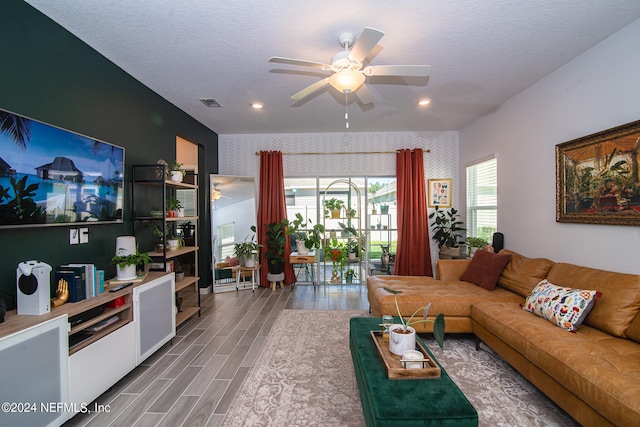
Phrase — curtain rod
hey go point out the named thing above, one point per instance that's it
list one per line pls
(339, 152)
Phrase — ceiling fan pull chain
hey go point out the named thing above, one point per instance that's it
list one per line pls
(346, 110)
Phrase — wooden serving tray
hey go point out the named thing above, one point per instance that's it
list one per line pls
(393, 366)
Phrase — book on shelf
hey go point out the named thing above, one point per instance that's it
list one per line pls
(74, 278)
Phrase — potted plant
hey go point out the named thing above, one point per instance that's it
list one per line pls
(305, 239)
(174, 207)
(177, 173)
(447, 228)
(353, 248)
(275, 243)
(402, 337)
(333, 207)
(159, 247)
(349, 275)
(250, 249)
(351, 213)
(337, 252)
(475, 243)
(126, 264)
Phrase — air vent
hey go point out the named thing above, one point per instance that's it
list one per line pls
(210, 102)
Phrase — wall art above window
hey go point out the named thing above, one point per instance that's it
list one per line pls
(50, 176)
(597, 177)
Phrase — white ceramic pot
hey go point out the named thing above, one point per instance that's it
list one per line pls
(399, 343)
(180, 212)
(352, 256)
(302, 248)
(127, 272)
(250, 261)
(413, 355)
(172, 244)
(176, 176)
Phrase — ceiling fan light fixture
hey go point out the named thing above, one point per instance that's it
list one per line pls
(347, 81)
(215, 194)
(424, 102)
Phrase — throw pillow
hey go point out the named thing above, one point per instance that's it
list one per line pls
(485, 268)
(233, 262)
(564, 307)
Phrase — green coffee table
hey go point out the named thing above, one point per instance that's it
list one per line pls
(406, 402)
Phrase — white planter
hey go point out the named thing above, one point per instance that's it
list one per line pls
(176, 176)
(127, 272)
(172, 244)
(352, 256)
(250, 261)
(399, 343)
(180, 212)
(302, 248)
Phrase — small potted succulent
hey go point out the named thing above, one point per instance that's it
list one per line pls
(402, 337)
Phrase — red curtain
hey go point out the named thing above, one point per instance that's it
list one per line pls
(413, 254)
(271, 208)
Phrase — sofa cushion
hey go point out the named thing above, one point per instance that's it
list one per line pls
(522, 274)
(633, 331)
(564, 307)
(604, 371)
(485, 268)
(620, 300)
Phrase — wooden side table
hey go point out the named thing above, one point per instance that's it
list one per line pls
(255, 273)
(310, 258)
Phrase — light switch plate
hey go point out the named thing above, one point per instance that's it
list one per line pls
(74, 239)
(84, 235)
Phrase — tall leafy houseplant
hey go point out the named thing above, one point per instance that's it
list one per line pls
(447, 227)
(309, 238)
(275, 243)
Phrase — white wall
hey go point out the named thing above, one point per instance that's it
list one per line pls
(237, 155)
(598, 90)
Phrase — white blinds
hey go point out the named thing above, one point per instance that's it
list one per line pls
(482, 199)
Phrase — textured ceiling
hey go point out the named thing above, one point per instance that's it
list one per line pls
(481, 52)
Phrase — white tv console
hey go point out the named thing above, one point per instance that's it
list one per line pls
(50, 381)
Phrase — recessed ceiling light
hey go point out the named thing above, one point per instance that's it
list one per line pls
(424, 102)
(210, 102)
(257, 105)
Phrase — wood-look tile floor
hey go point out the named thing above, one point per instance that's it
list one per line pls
(193, 380)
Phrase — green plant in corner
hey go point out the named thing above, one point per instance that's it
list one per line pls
(477, 242)
(447, 227)
(438, 322)
(276, 240)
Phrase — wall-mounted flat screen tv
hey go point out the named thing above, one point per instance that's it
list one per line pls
(51, 176)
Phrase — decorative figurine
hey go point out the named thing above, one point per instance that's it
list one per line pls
(62, 294)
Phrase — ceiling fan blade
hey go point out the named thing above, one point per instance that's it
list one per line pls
(310, 89)
(364, 95)
(367, 41)
(398, 70)
(301, 62)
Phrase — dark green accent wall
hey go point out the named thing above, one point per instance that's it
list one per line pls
(48, 74)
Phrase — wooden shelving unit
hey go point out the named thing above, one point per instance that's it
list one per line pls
(151, 189)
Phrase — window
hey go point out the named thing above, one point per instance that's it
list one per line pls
(226, 239)
(482, 199)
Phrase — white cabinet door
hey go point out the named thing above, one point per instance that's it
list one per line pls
(154, 315)
(34, 375)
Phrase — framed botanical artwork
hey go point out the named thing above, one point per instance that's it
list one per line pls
(51, 176)
(439, 193)
(597, 177)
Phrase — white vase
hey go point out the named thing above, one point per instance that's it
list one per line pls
(302, 247)
(172, 244)
(399, 343)
(180, 212)
(127, 272)
(176, 176)
(352, 256)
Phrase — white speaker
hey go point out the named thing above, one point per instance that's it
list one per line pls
(33, 281)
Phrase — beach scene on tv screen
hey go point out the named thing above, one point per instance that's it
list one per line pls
(50, 175)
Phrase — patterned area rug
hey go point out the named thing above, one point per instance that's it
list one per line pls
(304, 376)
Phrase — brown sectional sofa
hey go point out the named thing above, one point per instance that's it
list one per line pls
(593, 374)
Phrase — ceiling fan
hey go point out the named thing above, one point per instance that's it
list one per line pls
(216, 193)
(348, 76)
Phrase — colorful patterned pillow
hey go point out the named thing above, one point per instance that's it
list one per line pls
(564, 307)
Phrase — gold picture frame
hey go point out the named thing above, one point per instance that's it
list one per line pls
(439, 193)
(597, 177)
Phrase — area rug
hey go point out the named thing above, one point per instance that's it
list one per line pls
(304, 376)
